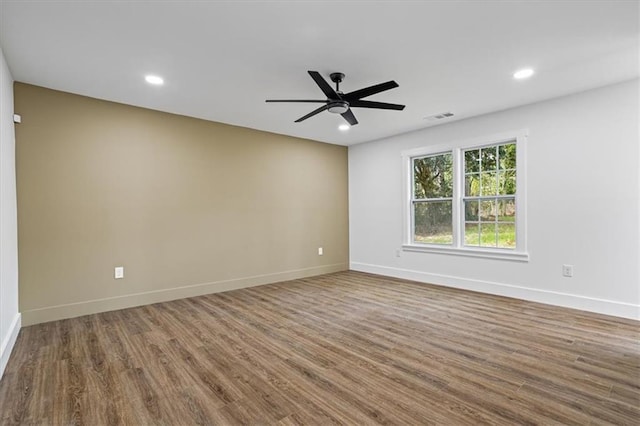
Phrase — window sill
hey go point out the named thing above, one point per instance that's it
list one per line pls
(469, 252)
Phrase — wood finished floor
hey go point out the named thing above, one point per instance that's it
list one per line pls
(344, 348)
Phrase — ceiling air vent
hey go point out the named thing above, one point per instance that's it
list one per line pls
(440, 116)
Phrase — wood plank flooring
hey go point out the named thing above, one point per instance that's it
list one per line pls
(343, 348)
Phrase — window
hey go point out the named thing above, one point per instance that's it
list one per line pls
(490, 196)
(467, 198)
(433, 199)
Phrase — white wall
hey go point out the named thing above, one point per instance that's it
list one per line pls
(583, 204)
(9, 316)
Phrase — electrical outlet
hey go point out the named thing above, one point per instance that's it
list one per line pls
(567, 271)
(320, 251)
(398, 253)
(119, 272)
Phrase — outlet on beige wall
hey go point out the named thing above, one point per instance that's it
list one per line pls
(190, 206)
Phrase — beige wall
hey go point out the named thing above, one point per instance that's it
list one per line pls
(187, 206)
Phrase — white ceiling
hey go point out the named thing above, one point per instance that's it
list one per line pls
(222, 59)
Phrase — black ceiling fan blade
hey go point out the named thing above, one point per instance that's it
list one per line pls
(371, 90)
(351, 119)
(324, 86)
(376, 105)
(298, 100)
(312, 113)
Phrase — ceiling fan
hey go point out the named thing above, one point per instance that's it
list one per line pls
(341, 103)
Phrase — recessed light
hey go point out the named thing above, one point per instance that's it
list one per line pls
(154, 79)
(344, 127)
(523, 73)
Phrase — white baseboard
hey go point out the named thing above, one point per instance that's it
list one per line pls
(72, 310)
(601, 306)
(8, 342)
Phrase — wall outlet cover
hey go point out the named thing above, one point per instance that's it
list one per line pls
(567, 271)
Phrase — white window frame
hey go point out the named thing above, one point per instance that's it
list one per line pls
(412, 201)
(519, 253)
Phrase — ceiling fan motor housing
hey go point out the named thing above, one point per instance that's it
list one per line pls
(338, 107)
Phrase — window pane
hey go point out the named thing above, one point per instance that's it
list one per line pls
(507, 235)
(488, 234)
(507, 155)
(472, 185)
(433, 176)
(507, 182)
(488, 184)
(433, 222)
(471, 210)
(472, 161)
(488, 210)
(507, 210)
(488, 157)
(471, 234)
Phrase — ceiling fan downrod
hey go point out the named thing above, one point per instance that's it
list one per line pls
(337, 78)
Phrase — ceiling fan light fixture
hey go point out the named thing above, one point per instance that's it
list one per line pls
(338, 107)
(344, 127)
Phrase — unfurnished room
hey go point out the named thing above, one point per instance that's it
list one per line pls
(319, 212)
